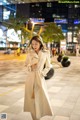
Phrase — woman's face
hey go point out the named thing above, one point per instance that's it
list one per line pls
(35, 45)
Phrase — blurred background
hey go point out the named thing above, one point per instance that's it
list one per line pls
(58, 20)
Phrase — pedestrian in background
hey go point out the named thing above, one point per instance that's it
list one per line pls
(36, 98)
(77, 50)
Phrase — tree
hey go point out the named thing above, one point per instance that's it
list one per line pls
(52, 33)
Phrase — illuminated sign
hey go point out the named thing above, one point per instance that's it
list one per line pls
(12, 36)
(76, 21)
(9, 10)
(37, 20)
(6, 15)
(60, 21)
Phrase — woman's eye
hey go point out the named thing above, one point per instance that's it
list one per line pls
(34, 44)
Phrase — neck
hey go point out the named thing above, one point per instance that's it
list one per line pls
(37, 51)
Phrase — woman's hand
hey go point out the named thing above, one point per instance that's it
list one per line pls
(34, 66)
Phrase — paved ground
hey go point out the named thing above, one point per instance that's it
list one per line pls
(63, 89)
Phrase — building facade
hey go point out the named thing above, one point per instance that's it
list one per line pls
(8, 37)
(66, 15)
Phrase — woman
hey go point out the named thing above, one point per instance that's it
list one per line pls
(36, 99)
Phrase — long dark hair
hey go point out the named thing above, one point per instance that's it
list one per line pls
(37, 39)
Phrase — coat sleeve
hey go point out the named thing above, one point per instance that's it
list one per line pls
(47, 64)
(27, 63)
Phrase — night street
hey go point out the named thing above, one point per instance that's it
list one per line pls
(63, 89)
(28, 29)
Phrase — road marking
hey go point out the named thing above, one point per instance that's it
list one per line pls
(5, 93)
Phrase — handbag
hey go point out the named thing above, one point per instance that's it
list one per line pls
(49, 74)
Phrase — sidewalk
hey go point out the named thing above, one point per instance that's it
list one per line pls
(63, 89)
(12, 57)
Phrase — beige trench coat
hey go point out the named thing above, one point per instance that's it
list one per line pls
(36, 99)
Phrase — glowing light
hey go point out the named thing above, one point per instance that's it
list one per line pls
(1, 33)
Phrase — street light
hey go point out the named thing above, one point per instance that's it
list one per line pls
(33, 24)
(30, 25)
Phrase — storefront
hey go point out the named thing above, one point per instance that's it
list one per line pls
(9, 39)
